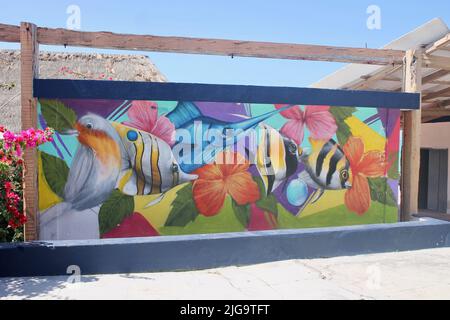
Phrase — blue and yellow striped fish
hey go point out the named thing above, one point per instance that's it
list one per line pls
(152, 166)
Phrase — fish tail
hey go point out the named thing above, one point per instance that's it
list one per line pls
(184, 113)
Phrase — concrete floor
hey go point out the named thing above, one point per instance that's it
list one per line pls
(407, 275)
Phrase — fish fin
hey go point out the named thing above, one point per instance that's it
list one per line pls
(268, 181)
(155, 201)
(317, 195)
(308, 180)
(275, 184)
(253, 122)
(313, 198)
(184, 113)
(316, 144)
(307, 202)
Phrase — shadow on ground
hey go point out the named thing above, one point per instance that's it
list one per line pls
(36, 287)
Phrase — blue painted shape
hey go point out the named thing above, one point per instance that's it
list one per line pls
(297, 192)
(192, 252)
(95, 89)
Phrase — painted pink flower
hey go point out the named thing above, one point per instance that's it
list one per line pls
(143, 115)
(317, 119)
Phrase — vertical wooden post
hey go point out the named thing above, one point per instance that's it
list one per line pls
(29, 70)
(412, 120)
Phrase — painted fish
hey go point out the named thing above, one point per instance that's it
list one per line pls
(152, 168)
(326, 168)
(277, 158)
(206, 137)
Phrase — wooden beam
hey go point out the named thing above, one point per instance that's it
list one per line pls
(29, 56)
(441, 82)
(108, 40)
(437, 94)
(9, 33)
(412, 82)
(436, 112)
(370, 79)
(439, 45)
(436, 62)
(434, 76)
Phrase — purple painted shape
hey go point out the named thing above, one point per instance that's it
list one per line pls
(372, 118)
(280, 192)
(43, 124)
(393, 184)
(58, 136)
(228, 112)
(388, 118)
(101, 107)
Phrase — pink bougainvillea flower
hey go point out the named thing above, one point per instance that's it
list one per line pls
(317, 119)
(216, 181)
(143, 115)
(363, 165)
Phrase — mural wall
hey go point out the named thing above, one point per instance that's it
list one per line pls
(148, 168)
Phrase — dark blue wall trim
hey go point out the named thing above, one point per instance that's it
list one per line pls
(217, 250)
(89, 89)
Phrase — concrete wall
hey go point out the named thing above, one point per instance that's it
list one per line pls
(437, 136)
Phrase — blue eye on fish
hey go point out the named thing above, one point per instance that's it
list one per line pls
(132, 135)
(188, 117)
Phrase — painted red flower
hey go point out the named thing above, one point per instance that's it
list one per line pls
(371, 164)
(227, 176)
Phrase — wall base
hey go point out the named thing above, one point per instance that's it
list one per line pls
(176, 253)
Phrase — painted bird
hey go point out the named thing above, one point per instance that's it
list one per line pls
(96, 166)
(326, 168)
(93, 175)
(106, 154)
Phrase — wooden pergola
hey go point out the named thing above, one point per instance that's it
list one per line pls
(409, 63)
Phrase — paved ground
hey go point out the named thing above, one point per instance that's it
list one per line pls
(408, 275)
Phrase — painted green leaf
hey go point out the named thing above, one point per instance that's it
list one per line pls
(381, 191)
(57, 115)
(268, 203)
(183, 208)
(340, 114)
(114, 210)
(242, 213)
(56, 172)
(393, 172)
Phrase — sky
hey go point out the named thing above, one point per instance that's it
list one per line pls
(324, 22)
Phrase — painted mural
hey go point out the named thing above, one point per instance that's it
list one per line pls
(147, 168)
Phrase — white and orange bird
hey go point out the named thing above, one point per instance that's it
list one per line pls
(109, 156)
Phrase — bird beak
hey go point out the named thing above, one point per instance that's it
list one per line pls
(70, 132)
(347, 185)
